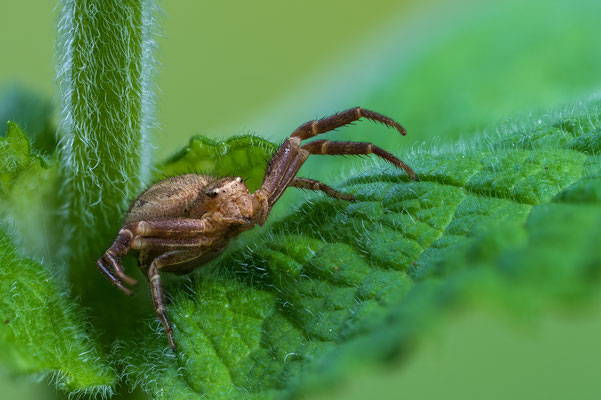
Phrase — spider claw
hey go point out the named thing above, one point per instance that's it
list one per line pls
(171, 341)
(126, 290)
(100, 264)
(128, 279)
(401, 130)
(118, 269)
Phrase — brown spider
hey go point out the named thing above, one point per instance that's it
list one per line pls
(181, 223)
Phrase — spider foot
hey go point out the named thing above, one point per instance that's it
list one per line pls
(103, 267)
(171, 340)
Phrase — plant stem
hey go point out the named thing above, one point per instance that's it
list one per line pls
(105, 64)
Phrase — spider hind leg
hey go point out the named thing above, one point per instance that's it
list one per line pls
(156, 288)
(312, 184)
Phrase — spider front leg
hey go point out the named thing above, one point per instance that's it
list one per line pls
(327, 124)
(290, 156)
(327, 147)
(111, 257)
(130, 234)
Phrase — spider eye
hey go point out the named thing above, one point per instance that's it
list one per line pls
(239, 180)
(212, 193)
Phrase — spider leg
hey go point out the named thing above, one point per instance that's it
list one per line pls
(281, 162)
(280, 171)
(174, 227)
(156, 289)
(311, 184)
(160, 228)
(355, 148)
(117, 250)
(290, 156)
(287, 160)
(102, 267)
(277, 179)
(143, 243)
(327, 124)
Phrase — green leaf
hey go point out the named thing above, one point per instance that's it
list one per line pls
(31, 111)
(17, 157)
(28, 197)
(511, 221)
(244, 155)
(41, 330)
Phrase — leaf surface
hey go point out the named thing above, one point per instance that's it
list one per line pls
(33, 112)
(511, 220)
(243, 155)
(41, 331)
(28, 197)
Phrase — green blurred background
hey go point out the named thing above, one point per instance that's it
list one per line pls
(443, 69)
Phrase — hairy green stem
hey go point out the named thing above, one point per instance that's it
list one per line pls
(105, 64)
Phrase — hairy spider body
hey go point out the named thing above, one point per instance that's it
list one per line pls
(182, 222)
(185, 197)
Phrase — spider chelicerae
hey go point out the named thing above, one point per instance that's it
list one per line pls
(181, 223)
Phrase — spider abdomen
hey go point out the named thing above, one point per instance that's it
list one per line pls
(169, 198)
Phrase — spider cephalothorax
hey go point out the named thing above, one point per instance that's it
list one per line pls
(181, 223)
